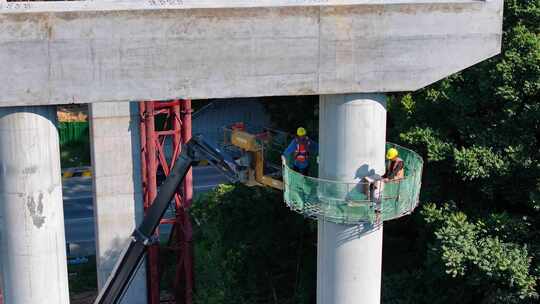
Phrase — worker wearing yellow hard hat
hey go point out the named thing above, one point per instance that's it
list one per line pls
(395, 166)
(392, 153)
(300, 149)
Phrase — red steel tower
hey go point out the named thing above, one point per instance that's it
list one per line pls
(164, 127)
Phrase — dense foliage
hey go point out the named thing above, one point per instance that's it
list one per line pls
(250, 248)
(479, 132)
(291, 112)
(476, 238)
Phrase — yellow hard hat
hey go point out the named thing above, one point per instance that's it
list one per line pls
(301, 131)
(391, 153)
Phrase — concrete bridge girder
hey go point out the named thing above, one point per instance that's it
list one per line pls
(80, 52)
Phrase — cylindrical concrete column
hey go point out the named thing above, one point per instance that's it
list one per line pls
(352, 138)
(33, 248)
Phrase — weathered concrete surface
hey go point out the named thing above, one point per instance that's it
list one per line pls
(103, 5)
(90, 52)
(33, 247)
(118, 204)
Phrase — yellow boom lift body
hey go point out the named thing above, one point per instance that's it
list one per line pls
(252, 148)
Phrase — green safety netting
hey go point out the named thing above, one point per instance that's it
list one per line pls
(352, 203)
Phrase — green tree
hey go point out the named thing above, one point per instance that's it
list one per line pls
(479, 132)
(290, 112)
(250, 248)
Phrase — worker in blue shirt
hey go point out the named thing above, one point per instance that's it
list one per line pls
(300, 149)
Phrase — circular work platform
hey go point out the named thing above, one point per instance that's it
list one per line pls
(353, 203)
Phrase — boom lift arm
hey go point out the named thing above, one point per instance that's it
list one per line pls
(195, 149)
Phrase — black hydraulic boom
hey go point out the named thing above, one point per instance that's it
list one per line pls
(195, 149)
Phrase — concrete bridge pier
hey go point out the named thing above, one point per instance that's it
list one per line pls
(33, 247)
(352, 135)
(118, 201)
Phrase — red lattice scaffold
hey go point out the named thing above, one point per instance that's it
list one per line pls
(164, 127)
